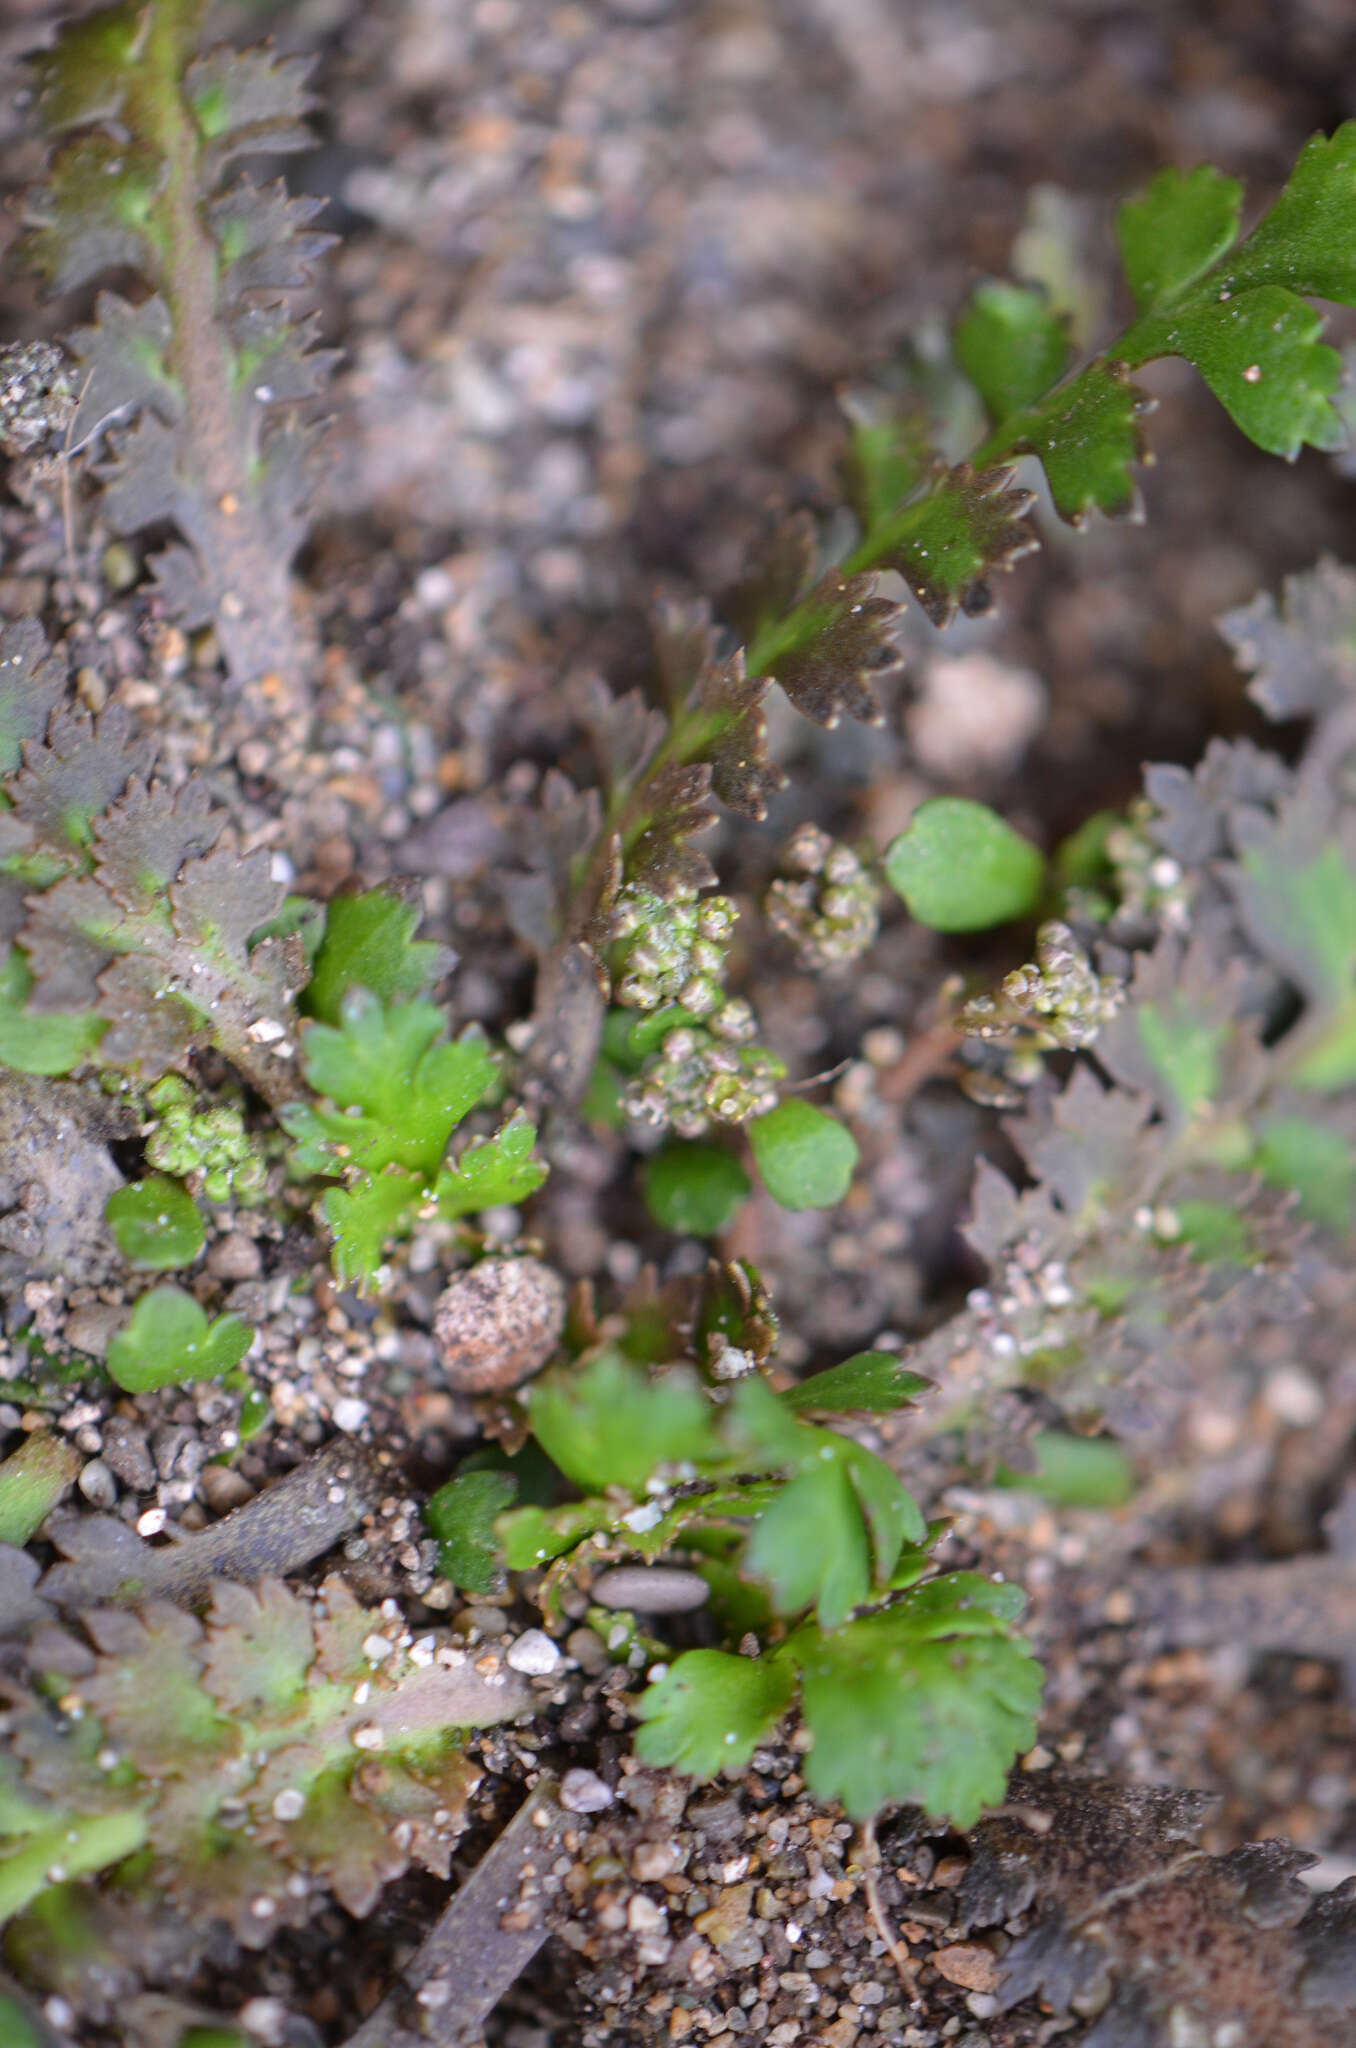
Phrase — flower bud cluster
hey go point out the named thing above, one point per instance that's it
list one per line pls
(707, 1073)
(1149, 883)
(828, 905)
(1059, 1001)
(670, 949)
(210, 1146)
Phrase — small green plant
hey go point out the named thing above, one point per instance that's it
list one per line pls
(809, 1543)
(959, 868)
(32, 1480)
(279, 1750)
(169, 1340)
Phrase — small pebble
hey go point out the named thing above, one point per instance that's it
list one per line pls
(235, 1257)
(534, 1653)
(224, 1489)
(584, 1792)
(651, 1589)
(97, 1484)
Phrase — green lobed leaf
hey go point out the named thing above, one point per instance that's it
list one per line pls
(870, 1382)
(169, 1340)
(461, 1515)
(710, 1711)
(490, 1173)
(1260, 353)
(398, 1094)
(805, 1156)
(811, 1548)
(960, 868)
(1175, 229)
(156, 1223)
(926, 1703)
(612, 1425)
(1306, 241)
(889, 454)
(947, 543)
(1075, 1471)
(369, 943)
(362, 1219)
(693, 1187)
(1011, 345)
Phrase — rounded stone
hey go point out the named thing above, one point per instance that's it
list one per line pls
(498, 1323)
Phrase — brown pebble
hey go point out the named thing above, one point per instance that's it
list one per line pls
(498, 1323)
(235, 1257)
(224, 1489)
(966, 1964)
(127, 1453)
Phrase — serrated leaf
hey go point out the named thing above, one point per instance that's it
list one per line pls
(1183, 222)
(124, 358)
(86, 76)
(811, 1547)
(70, 932)
(840, 638)
(959, 867)
(462, 1515)
(156, 1223)
(369, 943)
(871, 1383)
(805, 1157)
(889, 454)
(147, 1690)
(93, 214)
(1183, 1048)
(1087, 437)
(1261, 355)
(1300, 655)
(398, 1094)
(612, 1425)
(221, 900)
(925, 1704)
(168, 1340)
(364, 1217)
(1302, 913)
(67, 781)
(1011, 345)
(143, 841)
(679, 808)
(149, 1029)
(494, 1172)
(261, 232)
(710, 1711)
(259, 1648)
(32, 685)
(251, 100)
(1305, 242)
(966, 528)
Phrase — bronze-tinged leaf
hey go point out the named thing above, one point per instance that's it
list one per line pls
(625, 731)
(67, 938)
(781, 569)
(248, 100)
(220, 901)
(32, 685)
(341, 1626)
(1300, 654)
(123, 356)
(260, 1647)
(427, 1806)
(847, 637)
(678, 800)
(141, 480)
(84, 765)
(210, 1873)
(968, 526)
(336, 1839)
(143, 841)
(684, 648)
(86, 216)
(276, 357)
(265, 234)
(150, 1031)
(742, 776)
(557, 836)
(147, 1692)
(180, 587)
